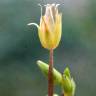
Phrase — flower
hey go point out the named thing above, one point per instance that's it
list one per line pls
(50, 27)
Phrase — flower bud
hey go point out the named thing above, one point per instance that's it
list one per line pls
(68, 84)
(50, 27)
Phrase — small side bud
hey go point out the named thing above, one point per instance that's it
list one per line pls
(68, 84)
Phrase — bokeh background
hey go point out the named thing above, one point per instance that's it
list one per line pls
(20, 47)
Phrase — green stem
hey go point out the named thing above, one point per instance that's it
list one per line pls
(50, 75)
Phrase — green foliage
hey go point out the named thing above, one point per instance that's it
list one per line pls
(64, 80)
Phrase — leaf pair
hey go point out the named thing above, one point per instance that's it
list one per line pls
(64, 80)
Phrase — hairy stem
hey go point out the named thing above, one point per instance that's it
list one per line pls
(50, 75)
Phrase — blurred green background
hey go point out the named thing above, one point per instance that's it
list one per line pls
(20, 47)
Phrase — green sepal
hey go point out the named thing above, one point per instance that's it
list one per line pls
(66, 84)
(67, 72)
(73, 86)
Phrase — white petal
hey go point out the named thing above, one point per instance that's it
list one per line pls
(33, 24)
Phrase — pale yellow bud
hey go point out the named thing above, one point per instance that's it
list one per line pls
(50, 28)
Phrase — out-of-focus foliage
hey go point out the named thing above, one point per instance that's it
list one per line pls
(20, 47)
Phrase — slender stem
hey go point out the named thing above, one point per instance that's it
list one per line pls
(50, 75)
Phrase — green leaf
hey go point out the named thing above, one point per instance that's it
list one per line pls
(67, 72)
(57, 76)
